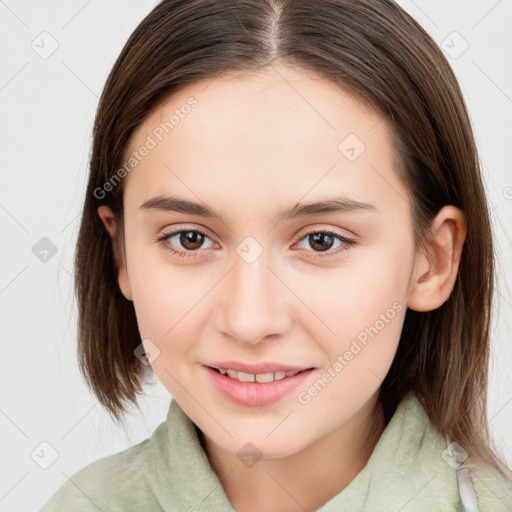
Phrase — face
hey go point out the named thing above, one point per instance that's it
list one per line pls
(323, 288)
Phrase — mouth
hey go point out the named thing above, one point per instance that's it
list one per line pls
(257, 389)
(262, 378)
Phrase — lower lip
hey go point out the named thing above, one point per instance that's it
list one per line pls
(256, 394)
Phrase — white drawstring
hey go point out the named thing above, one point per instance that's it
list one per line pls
(467, 491)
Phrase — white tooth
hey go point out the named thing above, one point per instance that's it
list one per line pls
(245, 377)
(232, 373)
(258, 377)
(265, 377)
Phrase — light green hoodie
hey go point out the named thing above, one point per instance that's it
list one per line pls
(410, 470)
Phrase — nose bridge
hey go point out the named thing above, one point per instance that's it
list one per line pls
(252, 306)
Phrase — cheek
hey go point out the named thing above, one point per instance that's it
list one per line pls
(164, 292)
(364, 305)
(164, 299)
(167, 309)
(365, 311)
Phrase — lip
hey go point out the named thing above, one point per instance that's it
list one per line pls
(256, 394)
(257, 367)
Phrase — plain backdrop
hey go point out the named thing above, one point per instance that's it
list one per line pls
(55, 58)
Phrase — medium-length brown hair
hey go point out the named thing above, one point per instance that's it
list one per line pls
(381, 55)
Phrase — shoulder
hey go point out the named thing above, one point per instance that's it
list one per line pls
(118, 482)
(413, 462)
(476, 482)
(493, 488)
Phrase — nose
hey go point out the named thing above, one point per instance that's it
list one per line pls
(253, 304)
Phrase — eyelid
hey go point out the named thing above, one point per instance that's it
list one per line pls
(175, 229)
(322, 228)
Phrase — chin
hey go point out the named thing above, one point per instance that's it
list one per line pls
(263, 449)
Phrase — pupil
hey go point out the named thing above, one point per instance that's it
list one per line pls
(191, 239)
(317, 241)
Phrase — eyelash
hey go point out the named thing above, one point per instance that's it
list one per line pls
(164, 241)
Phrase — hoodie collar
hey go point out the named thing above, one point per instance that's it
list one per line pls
(406, 469)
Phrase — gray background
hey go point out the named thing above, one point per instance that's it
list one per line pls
(48, 104)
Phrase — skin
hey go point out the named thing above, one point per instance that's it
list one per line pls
(255, 144)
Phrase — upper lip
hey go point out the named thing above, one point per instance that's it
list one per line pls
(268, 367)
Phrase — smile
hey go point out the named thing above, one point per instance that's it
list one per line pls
(256, 389)
(256, 377)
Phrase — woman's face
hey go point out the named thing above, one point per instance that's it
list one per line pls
(251, 285)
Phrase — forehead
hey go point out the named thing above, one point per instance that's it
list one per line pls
(274, 98)
(278, 131)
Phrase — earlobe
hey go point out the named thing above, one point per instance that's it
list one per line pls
(436, 268)
(109, 220)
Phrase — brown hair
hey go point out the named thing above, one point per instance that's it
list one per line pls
(382, 56)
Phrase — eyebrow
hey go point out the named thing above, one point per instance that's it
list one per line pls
(337, 204)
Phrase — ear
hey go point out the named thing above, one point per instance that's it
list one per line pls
(436, 268)
(110, 222)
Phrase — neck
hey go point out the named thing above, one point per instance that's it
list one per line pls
(304, 480)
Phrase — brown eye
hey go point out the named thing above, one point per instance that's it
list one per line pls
(323, 241)
(184, 242)
(191, 240)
